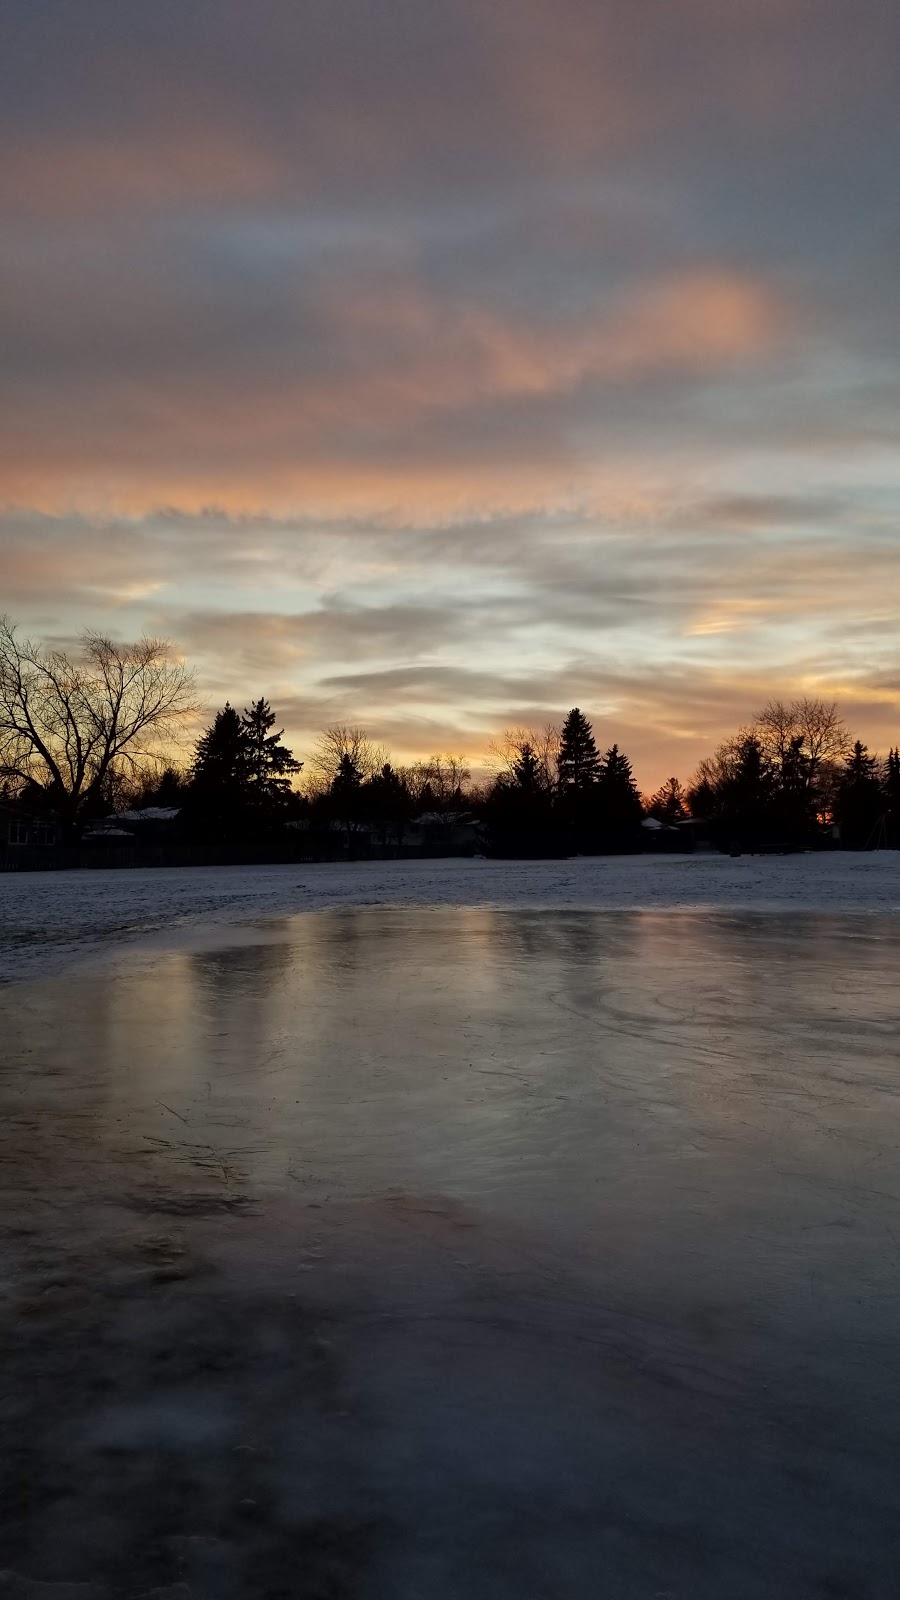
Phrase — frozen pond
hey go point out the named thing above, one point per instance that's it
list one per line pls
(428, 1253)
(49, 918)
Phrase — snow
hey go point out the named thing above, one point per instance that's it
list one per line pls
(48, 919)
(149, 814)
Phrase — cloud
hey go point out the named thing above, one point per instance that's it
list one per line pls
(444, 365)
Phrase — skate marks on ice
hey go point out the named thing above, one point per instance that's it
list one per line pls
(456, 1252)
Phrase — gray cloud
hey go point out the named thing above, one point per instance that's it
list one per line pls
(445, 364)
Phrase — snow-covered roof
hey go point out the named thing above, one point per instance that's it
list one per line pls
(149, 814)
(430, 818)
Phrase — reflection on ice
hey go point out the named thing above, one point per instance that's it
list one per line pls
(462, 1251)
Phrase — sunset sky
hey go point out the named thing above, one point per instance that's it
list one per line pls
(436, 365)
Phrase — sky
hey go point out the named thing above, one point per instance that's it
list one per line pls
(437, 365)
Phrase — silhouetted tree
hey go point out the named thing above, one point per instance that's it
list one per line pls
(438, 783)
(543, 743)
(342, 740)
(518, 810)
(578, 761)
(527, 773)
(387, 803)
(860, 800)
(221, 759)
(77, 728)
(219, 792)
(804, 743)
(669, 804)
(746, 794)
(619, 802)
(166, 787)
(345, 796)
(270, 764)
(890, 785)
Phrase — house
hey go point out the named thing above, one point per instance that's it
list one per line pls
(21, 827)
(444, 833)
(147, 825)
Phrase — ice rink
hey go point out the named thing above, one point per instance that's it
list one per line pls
(47, 919)
(411, 1252)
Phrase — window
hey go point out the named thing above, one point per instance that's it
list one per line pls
(42, 833)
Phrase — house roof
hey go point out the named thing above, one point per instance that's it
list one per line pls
(149, 814)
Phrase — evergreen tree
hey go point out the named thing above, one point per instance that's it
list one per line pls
(890, 788)
(748, 790)
(860, 800)
(519, 810)
(387, 802)
(796, 798)
(166, 788)
(269, 763)
(620, 801)
(221, 759)
(578, 762)
(527, 772)
(217, 799)
(669, 803)
(345, 796)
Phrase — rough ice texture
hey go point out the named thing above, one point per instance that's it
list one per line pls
(49, 919)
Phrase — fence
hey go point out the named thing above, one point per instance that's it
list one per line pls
(83, 857)
(23, 858)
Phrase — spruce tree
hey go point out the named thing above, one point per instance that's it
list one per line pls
(860, 801)
(620, 800)
(578, 762)
(669, 803)
(748, 792)
(270, 763)
(345, 795)
(527, 772)
(221, 758)
(890, 788)
(386, 801)
(216, 805)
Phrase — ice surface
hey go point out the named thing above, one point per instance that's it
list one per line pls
(46, 919)
(499, 1253)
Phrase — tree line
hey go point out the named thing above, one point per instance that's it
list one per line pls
(85, 738)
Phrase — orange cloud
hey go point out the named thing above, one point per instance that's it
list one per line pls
(367, 432)
(90, 174)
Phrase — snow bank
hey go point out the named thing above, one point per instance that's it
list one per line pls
(48, 919)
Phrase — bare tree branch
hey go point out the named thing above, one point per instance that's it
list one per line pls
(67, 725)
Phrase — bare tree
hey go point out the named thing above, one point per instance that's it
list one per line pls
(811, 726)
(440, 777)
(75, 727)
(806, 741)
(335, 745)
(507, 749)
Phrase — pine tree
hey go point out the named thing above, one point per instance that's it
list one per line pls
(669, 803)
(860, 801)
(519, 810)
(578, 762)
(345, 795)
(890, 788)
(620, 801)
(748, 791)
(270, 763)
(527, 773)
(221, 758)
(387, 802)
(216, 803)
